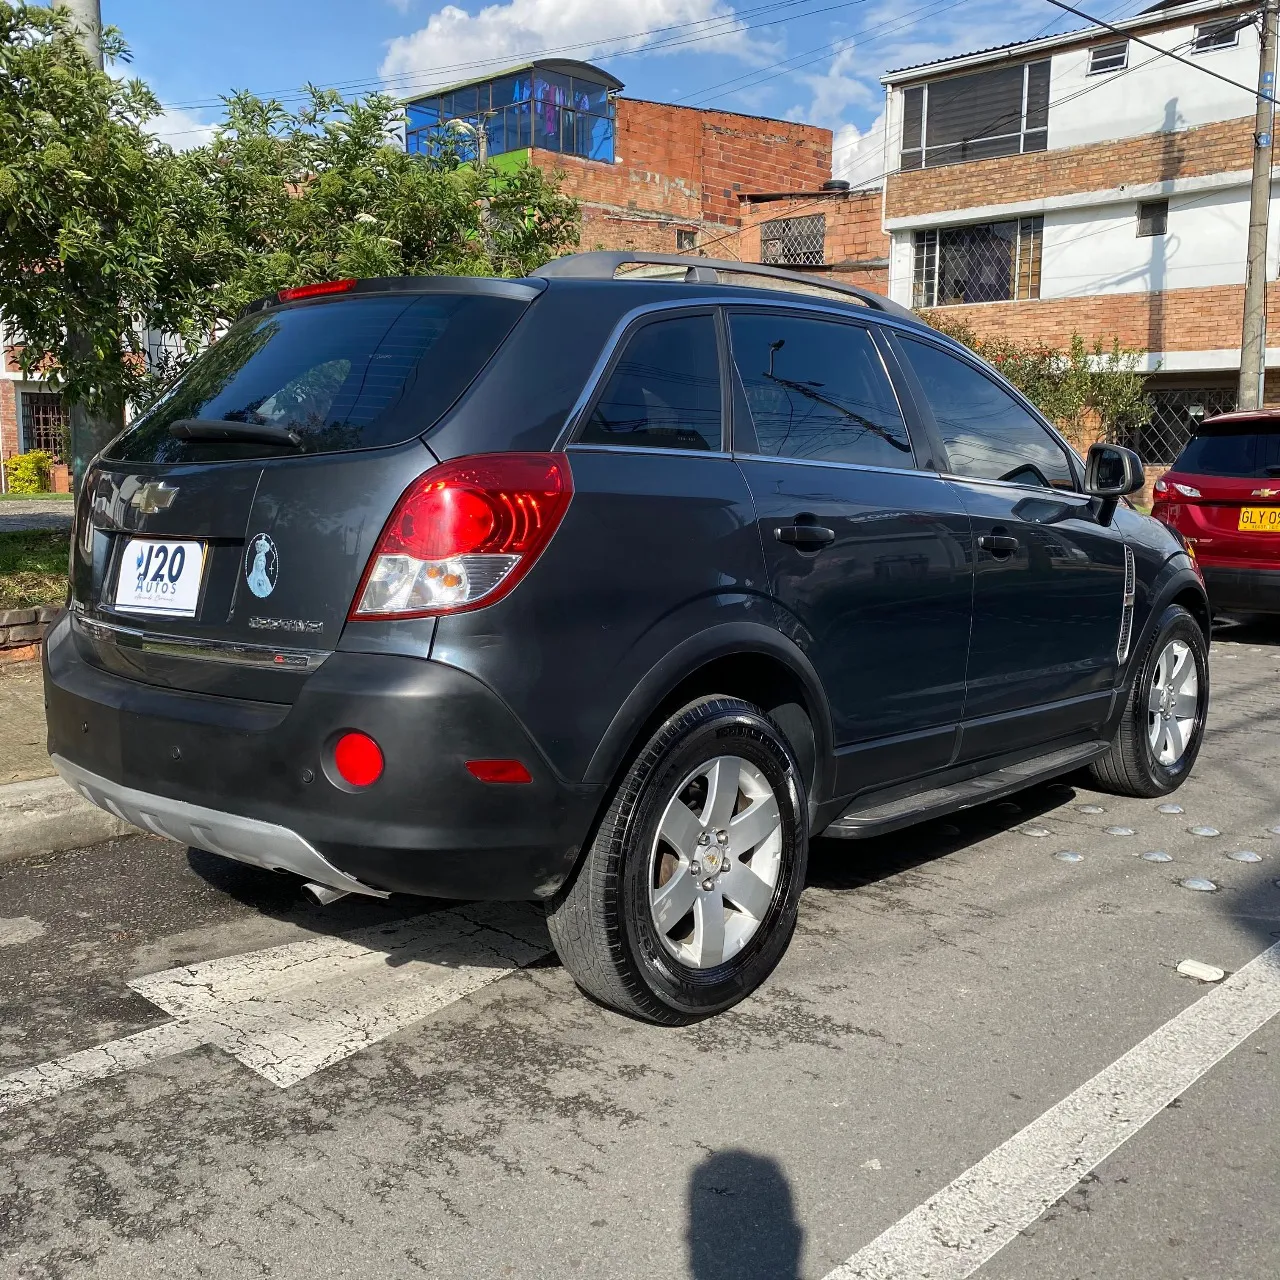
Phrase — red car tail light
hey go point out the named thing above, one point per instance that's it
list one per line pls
(463, 534)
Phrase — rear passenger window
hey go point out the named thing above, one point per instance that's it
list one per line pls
(817, 389)
(665, 391)
(988, 434)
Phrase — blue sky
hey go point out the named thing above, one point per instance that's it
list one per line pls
(811, 60)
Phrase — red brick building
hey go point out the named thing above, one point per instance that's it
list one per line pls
(649, 175)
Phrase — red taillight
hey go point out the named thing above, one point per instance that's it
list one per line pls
(358, 759)
(498, 771)
(318, 290)
(464, 534)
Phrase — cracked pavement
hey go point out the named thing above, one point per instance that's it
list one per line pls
(465, 1112)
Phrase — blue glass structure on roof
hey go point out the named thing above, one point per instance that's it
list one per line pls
(564, 106)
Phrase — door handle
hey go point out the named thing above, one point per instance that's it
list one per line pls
(1000, 545)
(807, 537)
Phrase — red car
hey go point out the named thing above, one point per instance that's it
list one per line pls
(1223, 495)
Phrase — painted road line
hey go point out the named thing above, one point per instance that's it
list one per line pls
(289, 1011)
(18, 929)
(954, 1232)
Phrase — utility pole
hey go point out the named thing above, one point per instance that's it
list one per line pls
(89, 433)
(1253, 339)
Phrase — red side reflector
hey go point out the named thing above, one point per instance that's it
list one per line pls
(499, 771)
(358, 759)
(316, 290)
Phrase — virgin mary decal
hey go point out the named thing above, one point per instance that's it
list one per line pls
(261, 565)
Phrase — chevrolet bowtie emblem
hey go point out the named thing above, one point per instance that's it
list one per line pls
(154, 496)
(1265, 493)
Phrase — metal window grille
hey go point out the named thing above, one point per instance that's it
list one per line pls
(686, 240)
(44, 423)
(1153, 217)
(1108, 57)
(794, 242)
(988, 262)
(1175, 411)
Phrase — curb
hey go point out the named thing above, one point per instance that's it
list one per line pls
(46, 816)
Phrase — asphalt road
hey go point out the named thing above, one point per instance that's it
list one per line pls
(945, 990)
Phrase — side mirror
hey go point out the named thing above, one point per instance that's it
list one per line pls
(1112, 473)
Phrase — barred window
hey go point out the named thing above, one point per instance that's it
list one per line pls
(686, 240)
(989, 262)
(1153, 217)
(999, 112)
(794, 242)
(44, 423)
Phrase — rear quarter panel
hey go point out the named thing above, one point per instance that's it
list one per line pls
(655, 547)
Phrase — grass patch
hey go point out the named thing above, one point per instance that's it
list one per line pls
(33, 568)
(35, 497)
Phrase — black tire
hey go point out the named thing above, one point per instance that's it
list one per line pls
(601, 922)
(1130, 767)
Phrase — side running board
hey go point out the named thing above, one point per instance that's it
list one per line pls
(867, 817)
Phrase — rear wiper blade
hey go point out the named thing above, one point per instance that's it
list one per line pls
(221, 429)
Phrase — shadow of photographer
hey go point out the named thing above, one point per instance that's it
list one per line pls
(742, 1223)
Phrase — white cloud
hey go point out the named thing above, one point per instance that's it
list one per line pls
(455, 44)
(180, 129)
(857, 155)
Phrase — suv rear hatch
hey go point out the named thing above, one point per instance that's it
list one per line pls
(220, 539)
(1223, 492)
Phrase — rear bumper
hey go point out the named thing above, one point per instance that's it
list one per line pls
(1245, 590)
(248, 779)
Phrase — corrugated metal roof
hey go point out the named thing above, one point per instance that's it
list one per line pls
(1166, 13)
(562, 66)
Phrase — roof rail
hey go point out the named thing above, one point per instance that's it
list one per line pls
(603, 264)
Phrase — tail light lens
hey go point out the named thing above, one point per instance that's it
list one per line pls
(463, 534)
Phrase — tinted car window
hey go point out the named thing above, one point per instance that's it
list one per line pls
(665, 391)
(817, 389)
(988, 434)
(344, 375)
(1246, 452)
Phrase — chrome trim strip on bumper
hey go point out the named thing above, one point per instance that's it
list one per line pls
(228, 651)
(262, 844)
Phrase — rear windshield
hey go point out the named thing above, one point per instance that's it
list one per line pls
(349, 374)
(1247, 453)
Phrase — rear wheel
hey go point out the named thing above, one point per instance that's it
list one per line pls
(688, 895)
(1163, 725)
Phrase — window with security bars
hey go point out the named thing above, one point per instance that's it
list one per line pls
(794, 242)
(999, 112)
(44, 423)
(988, 262)
(1175, 413)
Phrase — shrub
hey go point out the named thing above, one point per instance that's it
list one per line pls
(29, 472)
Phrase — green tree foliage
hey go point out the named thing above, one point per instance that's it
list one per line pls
(1088, 392)
(105, 231)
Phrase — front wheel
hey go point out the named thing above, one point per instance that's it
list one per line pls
(688, 895)
(1163, 725)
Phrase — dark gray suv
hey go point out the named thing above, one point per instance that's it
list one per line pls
(610, 588)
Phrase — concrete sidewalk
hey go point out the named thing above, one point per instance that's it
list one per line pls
(39, 813)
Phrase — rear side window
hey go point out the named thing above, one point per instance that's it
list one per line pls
(818, 390)
(665, 391)
(353, 374)
(988, 434)
(1247, 453)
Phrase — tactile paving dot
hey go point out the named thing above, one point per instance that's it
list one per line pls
(1170, 808)
(1199, 884)
(1068, 856)
(1118, 831)
(1091, 808)
(1035, 831)
(1157, 855)
(1245, 855)
(1204, 831)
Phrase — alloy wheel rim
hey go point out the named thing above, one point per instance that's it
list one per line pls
(1173, 703)
(715, 862)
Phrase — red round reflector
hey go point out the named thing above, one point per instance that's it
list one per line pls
(499, 771)
(358, 759)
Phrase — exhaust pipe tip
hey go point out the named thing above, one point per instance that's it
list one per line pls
(324, 895)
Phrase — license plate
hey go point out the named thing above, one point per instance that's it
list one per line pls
(160, 577)
(1259, 520)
